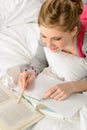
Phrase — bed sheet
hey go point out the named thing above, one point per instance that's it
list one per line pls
(20, 11)
(19, 35)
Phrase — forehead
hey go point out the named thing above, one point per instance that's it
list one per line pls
(50, 32)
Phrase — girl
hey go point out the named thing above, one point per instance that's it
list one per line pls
(60, 26)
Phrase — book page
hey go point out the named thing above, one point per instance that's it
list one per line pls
(40, 86)
(68, 107)
(5, 95)
(14, 116)
(60, 109)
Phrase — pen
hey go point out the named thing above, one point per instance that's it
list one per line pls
(19, 99)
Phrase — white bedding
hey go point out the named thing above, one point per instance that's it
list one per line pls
(19, 34)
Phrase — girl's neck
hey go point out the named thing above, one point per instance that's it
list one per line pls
(72, 49)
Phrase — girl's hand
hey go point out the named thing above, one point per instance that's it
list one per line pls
(60, 92)
(25, 78)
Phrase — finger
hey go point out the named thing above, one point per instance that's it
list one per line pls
(24, 80)
(20, 80)
(49, 92)
(31, 77)
(24, 83)
(52, 88)
(60, 97)
(57, 93)
(54, 94)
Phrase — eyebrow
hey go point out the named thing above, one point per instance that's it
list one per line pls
(51, 37)
(55, 37)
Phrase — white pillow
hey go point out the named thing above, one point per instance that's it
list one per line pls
(14, 12)
(67, 67)
(18, 45)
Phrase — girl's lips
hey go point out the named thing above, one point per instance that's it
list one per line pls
(53, 49)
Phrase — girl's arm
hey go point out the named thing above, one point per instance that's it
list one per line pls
(38, 62)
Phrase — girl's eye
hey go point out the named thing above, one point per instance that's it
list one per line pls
(57, 39)
(43, 37)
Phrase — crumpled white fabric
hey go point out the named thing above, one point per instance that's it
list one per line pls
(16, 12)
(16, 49)
(49, 123)
(18, 45)
(83, 118)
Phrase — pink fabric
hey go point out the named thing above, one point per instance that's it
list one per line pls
(83, 18)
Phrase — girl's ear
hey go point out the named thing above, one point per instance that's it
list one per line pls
(74, 31)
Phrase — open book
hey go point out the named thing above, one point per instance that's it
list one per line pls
(63, 109)
(14, 116)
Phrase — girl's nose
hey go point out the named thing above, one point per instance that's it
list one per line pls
(48, 42)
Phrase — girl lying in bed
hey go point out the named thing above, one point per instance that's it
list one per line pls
(62, 32)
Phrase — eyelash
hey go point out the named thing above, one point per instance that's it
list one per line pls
(53, 39)
(43, 37)
(57, 39)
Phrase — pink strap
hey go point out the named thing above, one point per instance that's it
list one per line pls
(83, 18)
(81, 37)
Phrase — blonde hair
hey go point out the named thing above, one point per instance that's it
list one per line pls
(62, 13)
